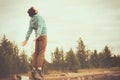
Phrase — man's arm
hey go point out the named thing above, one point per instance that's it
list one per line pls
(27, 36)
(28, 33)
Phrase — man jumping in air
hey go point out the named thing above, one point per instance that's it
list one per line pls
(37, 24)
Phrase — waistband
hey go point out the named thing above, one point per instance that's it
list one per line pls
(43, 36)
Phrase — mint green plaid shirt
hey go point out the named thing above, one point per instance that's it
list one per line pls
(37, 24)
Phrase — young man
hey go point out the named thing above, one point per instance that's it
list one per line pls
(37, 24)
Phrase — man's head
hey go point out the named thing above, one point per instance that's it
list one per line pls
(32, 11)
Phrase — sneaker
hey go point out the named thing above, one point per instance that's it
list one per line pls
(40, 73)
(18, 77)
(33, 73)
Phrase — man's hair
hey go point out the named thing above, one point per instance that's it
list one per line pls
(32, 11)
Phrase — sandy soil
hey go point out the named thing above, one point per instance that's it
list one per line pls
(85, 75)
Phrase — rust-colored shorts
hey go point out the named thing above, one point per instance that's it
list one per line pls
(40, 47)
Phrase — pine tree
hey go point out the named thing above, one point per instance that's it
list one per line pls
(72, 61)
(81, 54)
(62, 60)
(9, 58)
(107, 57)
(6, 54)
(94, 61)
(46, 66)
(58, 59)
(23, 65)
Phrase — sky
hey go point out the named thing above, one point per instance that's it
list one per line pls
(97, 22)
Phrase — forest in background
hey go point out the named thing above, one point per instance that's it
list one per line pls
(14, 61)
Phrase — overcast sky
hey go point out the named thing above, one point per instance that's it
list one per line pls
(97, 22)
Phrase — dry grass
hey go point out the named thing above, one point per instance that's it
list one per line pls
(80, 72)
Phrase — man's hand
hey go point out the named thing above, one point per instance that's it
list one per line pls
(36, 38)
(24, 43)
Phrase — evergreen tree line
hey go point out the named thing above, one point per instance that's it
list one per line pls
(12, 61)
(83, 58)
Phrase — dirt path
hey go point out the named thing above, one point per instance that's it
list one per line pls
(88, 75)
(84, 76)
